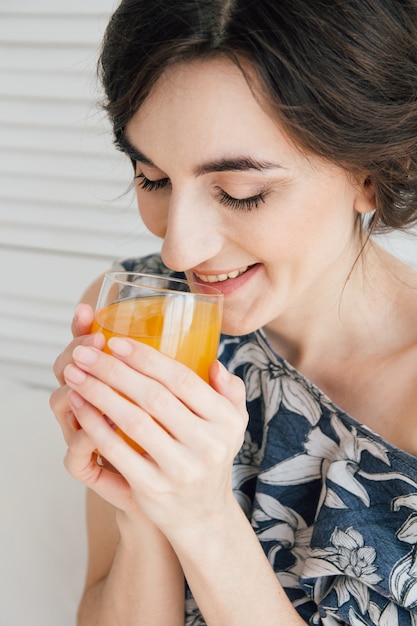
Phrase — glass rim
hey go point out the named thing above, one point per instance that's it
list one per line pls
(203, 289)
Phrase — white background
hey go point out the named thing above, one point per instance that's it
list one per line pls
(64, 217)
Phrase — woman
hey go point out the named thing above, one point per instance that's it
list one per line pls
(268, 141)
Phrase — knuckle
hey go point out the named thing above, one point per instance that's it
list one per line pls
(160, 400)
(58, 400)
(112, 368)
(184, 378)
(111, 448)
(239, 426)
(62, 360)
(237, 381)
(68, 463)
(53, 400)
(216, 450)
(217, 454)
(138, 427)
(80, 468)
(235, 425)
(58, 368)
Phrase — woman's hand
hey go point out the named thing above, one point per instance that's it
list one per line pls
(122, 541)
(191, 431)
(81, 325)
(77, 439)
(80, 329)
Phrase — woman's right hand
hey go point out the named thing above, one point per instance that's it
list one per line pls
(59, 401)
(79, 460)
(80, 328)
(107, 501)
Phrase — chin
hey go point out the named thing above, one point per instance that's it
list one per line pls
(236, 329)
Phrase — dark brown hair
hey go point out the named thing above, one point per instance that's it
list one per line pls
(341, 75)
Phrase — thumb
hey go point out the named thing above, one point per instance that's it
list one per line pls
(82, 321)
(228, 385)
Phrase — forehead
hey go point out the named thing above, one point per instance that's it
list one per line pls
(208, 103)
(205, 82)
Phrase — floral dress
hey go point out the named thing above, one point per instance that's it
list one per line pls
(333, 505)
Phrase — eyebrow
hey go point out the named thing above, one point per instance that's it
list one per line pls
(123, 144)
(238, 164)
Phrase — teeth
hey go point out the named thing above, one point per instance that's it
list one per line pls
(218, 278)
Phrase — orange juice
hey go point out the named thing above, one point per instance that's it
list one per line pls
(182, 326)
(186, 329)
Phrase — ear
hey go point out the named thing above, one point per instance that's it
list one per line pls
(365, 199)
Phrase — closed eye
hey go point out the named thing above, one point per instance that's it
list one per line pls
(241, 204)
(151, 185)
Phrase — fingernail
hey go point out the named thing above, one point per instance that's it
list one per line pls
(74, 375)
(120, 346)
(85, 355)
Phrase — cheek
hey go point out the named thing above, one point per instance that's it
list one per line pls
(153, 214)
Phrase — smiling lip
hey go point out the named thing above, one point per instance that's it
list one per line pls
(229, 282)
(219, 278)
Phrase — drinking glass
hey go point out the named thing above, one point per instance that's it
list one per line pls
(178, 317)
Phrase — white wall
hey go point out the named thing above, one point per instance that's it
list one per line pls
(63, 213)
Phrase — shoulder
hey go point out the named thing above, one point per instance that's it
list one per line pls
(406, 382)
(391, 405)
(404, 363)
(395, 375)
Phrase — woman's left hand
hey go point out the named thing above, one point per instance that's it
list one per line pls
(185, 475)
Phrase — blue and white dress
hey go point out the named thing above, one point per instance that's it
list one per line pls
(333, 505)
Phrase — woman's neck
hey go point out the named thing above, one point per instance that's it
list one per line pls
(353, 314)
(361, 347)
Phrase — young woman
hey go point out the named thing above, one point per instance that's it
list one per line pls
(269, 140)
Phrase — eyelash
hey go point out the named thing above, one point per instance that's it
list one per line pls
(151, 185)
(240, 204)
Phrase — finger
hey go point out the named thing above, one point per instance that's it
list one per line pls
(111, 445)
(231, 387)
(80, 462)
(59, 403)
(195, 393)
(136, 423)
(96, 340)
(150, 395)
(190, 410)
(224, 408)
(82, 320)
(80, 328)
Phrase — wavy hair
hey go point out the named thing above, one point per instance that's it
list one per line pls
(340, 74)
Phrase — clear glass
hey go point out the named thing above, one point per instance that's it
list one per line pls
(180, 318)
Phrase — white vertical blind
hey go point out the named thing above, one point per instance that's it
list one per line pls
(64, 211)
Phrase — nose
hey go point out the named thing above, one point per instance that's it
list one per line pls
(193, 234)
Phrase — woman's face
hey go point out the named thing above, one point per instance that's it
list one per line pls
(235, 202)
